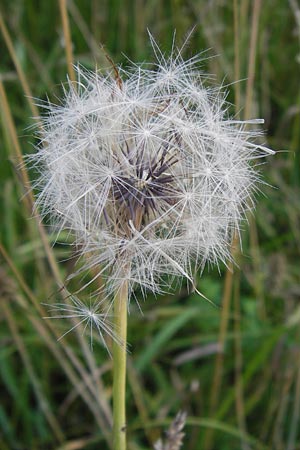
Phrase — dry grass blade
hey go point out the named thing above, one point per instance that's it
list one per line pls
(19, 69)
(252, 58)
(88, 395)
(174, 435)
(12, 132)
(197, 353)
(219, 362)
(239, 386)
(43, 403)
(85, 31)
(137, 389)
(67, 38)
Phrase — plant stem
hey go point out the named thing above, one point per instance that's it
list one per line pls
(67, 38)
(119, 369)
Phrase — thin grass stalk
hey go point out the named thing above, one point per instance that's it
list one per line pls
(239, 388)
(19, 278)
(33, 56)
(237, 59)
(12, 133)
(257, 265)
(244, 15)
(78, 382)
(73, 394)
(20, 72)
(67, 38)
(119, 368)
(98, 17)
(253, 367)
(253, 230)
(20, 170)
(89, 37)
(44, 405)
(254, 400)
(88, 395)
(252, 58)
(240, 407)
(227, 292)
(254, 244)
(139, 398)
(28, 198)
(282, 407)
(219, 362)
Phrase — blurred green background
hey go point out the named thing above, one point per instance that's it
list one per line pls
(56, 394)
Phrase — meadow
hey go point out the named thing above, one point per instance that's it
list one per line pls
(235, 368)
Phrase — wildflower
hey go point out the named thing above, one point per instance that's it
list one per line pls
(148, 171)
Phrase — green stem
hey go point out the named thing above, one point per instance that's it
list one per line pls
(119, 369)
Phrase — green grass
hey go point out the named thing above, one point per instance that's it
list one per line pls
(57, 394)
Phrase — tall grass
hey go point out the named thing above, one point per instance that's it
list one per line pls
(235, 370)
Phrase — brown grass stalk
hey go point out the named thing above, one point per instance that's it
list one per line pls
(43, 403)
(67, 38)
(19, 69)
(239, 385)
(58, 351)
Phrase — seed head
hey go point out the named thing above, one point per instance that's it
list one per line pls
(149, 171)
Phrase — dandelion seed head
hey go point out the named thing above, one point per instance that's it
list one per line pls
(149, 172)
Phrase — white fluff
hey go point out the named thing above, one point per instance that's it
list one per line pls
(99, 149)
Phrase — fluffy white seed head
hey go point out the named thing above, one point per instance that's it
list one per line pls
(149, 172)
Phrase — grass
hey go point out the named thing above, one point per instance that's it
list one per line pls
(57, 394)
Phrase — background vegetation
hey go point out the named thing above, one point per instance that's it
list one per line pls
(56, 394)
